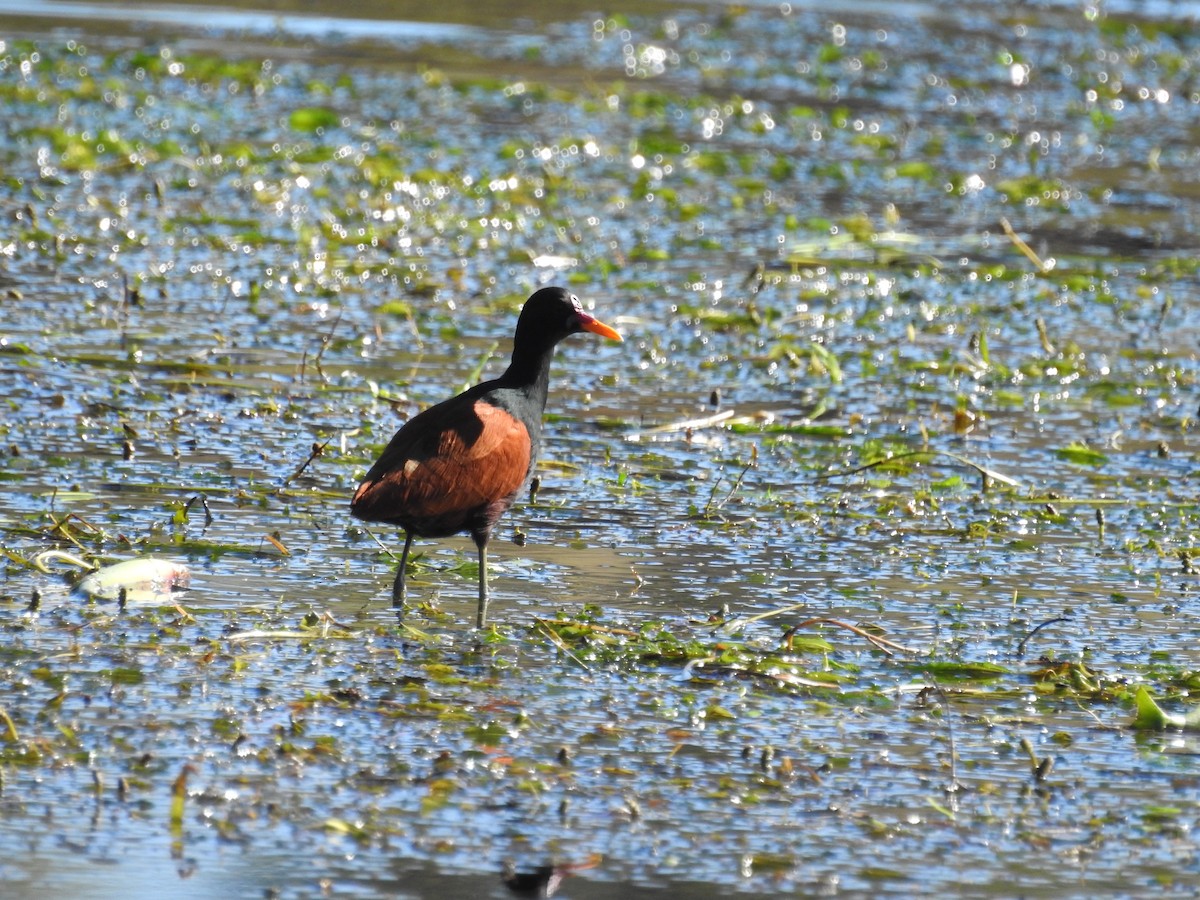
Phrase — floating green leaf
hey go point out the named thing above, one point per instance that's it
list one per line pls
(1081, 454)
(1149, 716)
(960, 671)
(313, 118)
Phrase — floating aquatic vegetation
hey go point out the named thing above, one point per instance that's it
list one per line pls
(1150, 716)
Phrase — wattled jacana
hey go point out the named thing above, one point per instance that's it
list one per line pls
(459, 465)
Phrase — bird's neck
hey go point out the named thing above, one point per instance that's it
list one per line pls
(530, 374)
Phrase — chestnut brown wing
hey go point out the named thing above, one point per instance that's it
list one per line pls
(456, 466)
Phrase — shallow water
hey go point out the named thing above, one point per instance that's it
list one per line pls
(795, 218)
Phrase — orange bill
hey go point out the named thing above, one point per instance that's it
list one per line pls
(595, 326)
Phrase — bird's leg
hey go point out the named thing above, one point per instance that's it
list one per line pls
(481, 541)
(398, 585)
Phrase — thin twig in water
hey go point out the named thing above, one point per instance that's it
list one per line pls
(739, 624)
(955, 787)
(1100, 723)
(1025, 640)
(709, 508)
(317, 450)
(738, 481)
(1044, 336)
(60, 528)
(882, 644)
(684, 425)
(712, 492)
(1025, 249)
(275, 542)
(598, 629)
(558, 642)
(477, 372)
(382, 546)
(986, 473)
(326, 339)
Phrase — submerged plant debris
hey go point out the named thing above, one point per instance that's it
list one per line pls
(866, 565)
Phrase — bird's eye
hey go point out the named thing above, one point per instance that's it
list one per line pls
(575, 303)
